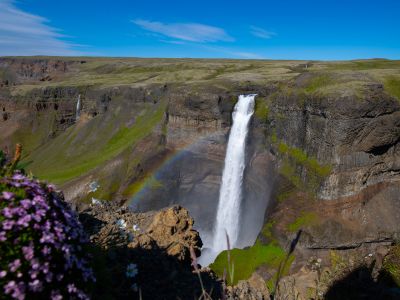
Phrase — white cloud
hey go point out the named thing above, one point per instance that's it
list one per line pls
(191, 32)
(23, 33)
(248, 55)
(173, 42)
(233, 53)
(261, 33)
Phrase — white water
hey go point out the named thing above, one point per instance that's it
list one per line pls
(230, 197)
(78, 108)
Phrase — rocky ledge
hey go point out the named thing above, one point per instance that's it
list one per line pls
(145, 254)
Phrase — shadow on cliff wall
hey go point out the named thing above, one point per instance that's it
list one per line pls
(159, 276)
(360, 284)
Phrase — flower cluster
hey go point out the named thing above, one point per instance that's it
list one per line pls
(41, 243)
(131, 272)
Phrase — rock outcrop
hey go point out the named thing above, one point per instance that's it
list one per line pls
(157, 243)
(18, 70)
(170, 230)
(252, 289)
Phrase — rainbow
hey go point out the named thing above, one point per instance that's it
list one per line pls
(153, 177)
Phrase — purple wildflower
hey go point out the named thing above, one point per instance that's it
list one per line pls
(35, 286)
(8, 195)
(28, 252)
(46, 238)
(18, 176)
(46, 250)
(55, 295)
(7, 212)
(14, 265)
(26, 203)
(24, 221)
(7, 225)
(71, 288)
(9, 287)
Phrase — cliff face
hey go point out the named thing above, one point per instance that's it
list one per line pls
(323, 151)
(18, 70)
(357, 142)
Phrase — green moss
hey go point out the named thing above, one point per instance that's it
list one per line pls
(337, 261)
(305, 219)
(261, 109)
(392, 85)
(292, 159)
(267, 231)
(300, 157)
(246, 261)
(320, 170)
(391, 265)
(289, 171)
(283, 148)
(274, 138)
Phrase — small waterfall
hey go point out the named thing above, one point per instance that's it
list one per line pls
(230, 196)
(78, 108)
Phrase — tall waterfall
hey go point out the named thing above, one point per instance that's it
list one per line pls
(78, 108)
(230, 197)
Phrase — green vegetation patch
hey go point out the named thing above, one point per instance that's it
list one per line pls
(267, 232)
(318, 82)
(292, 159)
(392, 86)
(67, 158)
(305, 219)
(300, 157)
(36, 132)
(391, 265)
(369, 64)
(244, 262)
(288, 170)
(261, 109)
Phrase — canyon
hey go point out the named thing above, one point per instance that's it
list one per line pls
(322, 176)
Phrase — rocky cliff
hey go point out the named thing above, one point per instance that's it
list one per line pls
(323, 152)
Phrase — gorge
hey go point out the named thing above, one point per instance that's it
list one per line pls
(322, 153)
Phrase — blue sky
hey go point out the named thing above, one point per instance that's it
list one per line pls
(307, 29)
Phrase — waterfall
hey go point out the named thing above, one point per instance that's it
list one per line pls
(230, 195)
(78, 108)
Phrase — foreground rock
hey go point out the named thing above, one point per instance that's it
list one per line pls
(157, 243)
(252, 289)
